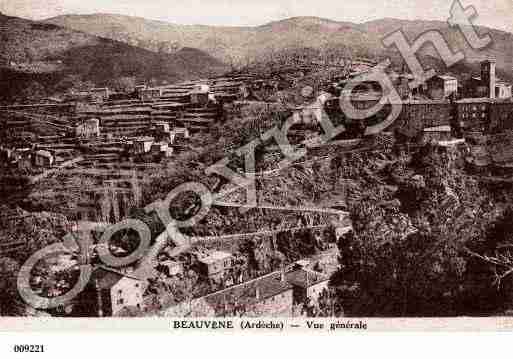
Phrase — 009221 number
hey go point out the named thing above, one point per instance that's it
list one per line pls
(26, 348)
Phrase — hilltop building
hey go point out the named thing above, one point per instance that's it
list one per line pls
(488, 84)
(442, 86)
(503, 89)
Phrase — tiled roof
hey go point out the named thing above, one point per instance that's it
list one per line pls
(214, 257)
(305, 278)
(44, 153)
(108, 278)
(246, 293)
(447, 77)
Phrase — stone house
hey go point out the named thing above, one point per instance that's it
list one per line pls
(307, 285)
(43, 158)
(215, 264)
(442, 86)
(89, 128)
(149, 94)
(100, 94)
(437, 133)
(162, 127)
(115, 291)
(170, 267)
(200, 95)
(488, 84)
(142, 145)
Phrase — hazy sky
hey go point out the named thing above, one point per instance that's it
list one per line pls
(494, 13)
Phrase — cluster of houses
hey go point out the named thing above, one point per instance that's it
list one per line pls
(278, 293)
(114, 291)
(199, 92)
(27, 157)
(441, 86)
(164, 142)
(487, 85)
(274, 294)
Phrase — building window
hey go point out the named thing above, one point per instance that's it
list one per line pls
(121, 301)
(120, 292)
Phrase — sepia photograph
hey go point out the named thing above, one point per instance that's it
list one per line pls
(259, 166)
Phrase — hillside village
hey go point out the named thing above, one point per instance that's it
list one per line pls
(99, 155)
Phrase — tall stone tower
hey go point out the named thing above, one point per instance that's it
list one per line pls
(488, 71)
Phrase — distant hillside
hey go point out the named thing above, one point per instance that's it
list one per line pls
(51, 58)
(229, 44)
(501, 48)
(237, 44)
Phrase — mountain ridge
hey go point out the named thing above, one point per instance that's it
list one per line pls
(236, 44)
(51, 58)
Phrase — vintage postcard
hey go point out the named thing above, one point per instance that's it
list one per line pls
(323, 166)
